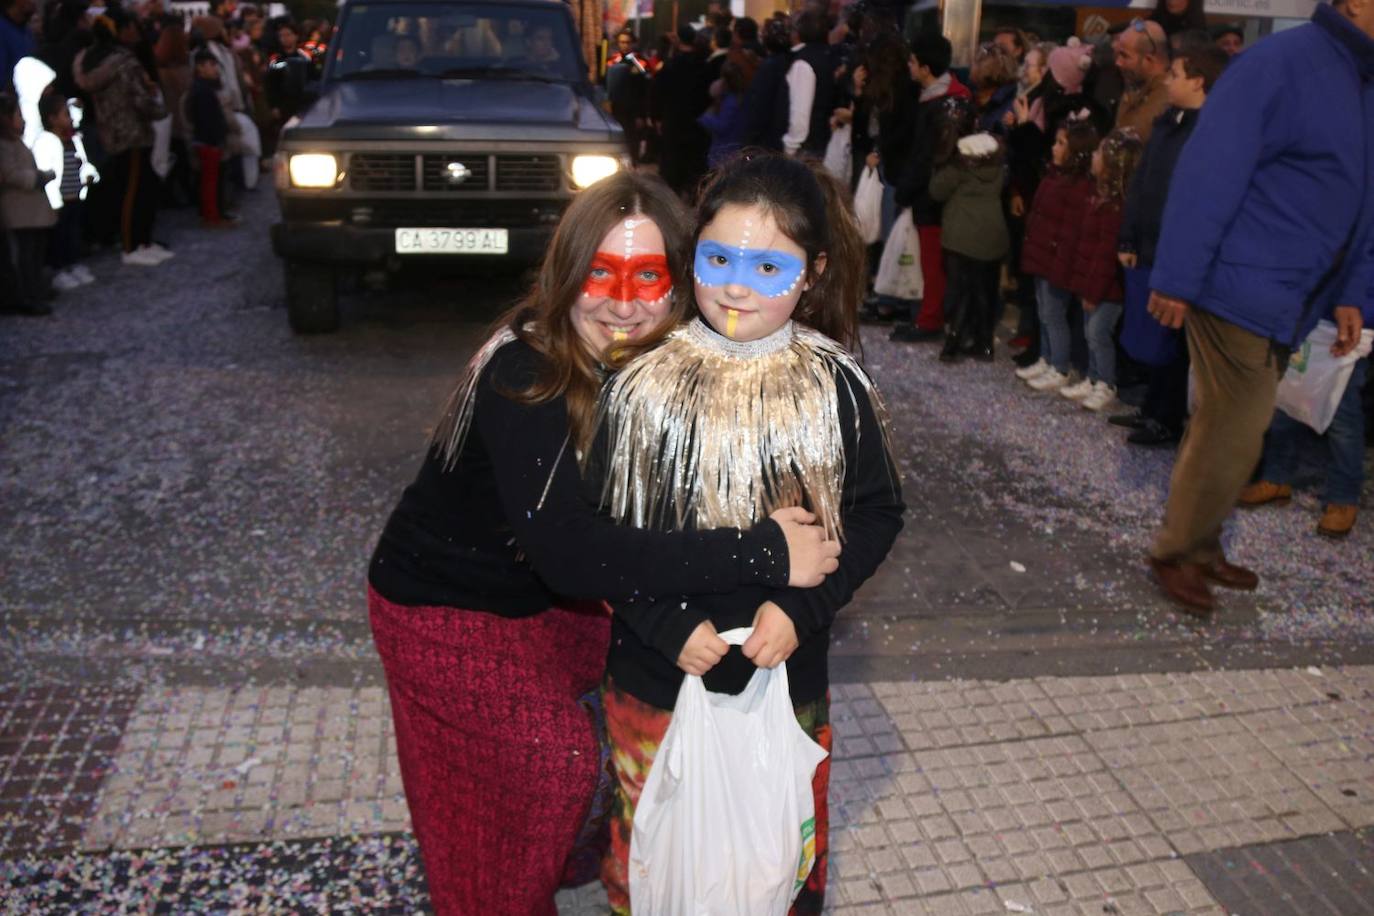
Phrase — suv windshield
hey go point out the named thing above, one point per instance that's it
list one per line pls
(455, 40)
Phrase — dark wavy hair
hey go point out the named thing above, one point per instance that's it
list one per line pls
(885, 59)
(812, 209)
(1082, 138)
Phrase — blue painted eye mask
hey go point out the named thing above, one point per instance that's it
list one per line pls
(766, 271)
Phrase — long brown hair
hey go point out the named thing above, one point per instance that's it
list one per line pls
(542, 319)
(885, 60)
(813, 209)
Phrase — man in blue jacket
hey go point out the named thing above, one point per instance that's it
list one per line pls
(1274, 187)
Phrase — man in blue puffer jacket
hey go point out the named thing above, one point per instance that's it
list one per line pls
(1275, 185)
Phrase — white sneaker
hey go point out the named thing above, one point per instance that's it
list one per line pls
(64, 282)
(1077, 392)
(1049, 380)
(157, 251)
(140, 258)
(82, 273)
(1034, 369)
(1102, 397)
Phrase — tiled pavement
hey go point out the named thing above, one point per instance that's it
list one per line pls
(1048, 795)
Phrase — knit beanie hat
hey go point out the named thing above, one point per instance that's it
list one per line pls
(1070, 64)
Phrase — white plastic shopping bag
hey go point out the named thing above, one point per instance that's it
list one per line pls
(837, 152)
(250, 148)
(899, 269)
(1315, 382)
(726, 823)
(868, 205)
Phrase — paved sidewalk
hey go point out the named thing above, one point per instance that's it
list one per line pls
(1099, 795)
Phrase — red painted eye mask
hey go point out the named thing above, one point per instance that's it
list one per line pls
(624, 278)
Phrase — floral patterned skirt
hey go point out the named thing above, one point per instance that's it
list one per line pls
(635, 730)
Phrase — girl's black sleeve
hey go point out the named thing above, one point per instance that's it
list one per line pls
(872, 517)
(578, 553)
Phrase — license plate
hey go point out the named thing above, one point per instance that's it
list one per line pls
(452, 241)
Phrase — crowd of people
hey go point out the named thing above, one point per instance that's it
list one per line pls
(109, 114)
(1039, 177)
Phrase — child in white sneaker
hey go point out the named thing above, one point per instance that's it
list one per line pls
(58, 149)
(1097, 277)
(1052, 228)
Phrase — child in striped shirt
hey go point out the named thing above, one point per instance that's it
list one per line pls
(59, 149)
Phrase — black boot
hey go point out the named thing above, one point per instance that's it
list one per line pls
(952, 351)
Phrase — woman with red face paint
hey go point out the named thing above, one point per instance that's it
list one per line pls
(491, 662)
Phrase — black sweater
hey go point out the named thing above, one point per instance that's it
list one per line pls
(766, 104)
(208, 124)
(1143, 217)
(477, 537)
(647, 634)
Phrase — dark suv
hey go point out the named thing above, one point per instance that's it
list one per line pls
(443, 129)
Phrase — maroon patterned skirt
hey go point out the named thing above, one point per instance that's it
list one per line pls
(501, 754)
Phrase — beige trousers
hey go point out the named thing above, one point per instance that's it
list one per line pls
(1236, 377)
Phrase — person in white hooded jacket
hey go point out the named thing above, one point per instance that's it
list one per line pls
(58, 149)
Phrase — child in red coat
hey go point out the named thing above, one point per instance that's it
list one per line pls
(1052, 229)
(1096, 276)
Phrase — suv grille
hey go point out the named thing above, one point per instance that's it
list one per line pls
(528, 173)
(436, 172)
(381, 172)
(467, 213)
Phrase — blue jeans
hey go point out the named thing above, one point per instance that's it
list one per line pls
(1344, 442)
(889, 210)
(1052, 305)
(1102, 342)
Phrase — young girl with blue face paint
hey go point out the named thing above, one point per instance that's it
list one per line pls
(755, 402)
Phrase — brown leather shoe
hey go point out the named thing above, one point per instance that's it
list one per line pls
(1337, 521)
(1262, 493)
(1229, 575)
(1185, 584)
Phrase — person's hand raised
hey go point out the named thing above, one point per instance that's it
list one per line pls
(810, 556)
(1021, 109)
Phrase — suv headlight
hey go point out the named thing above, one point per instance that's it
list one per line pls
(588, 170)
(314, 170)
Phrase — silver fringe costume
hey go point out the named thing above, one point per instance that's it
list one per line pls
(709, 432)
(453, 428)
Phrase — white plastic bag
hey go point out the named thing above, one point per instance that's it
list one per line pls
(1315, 382)
(726, 822)
(868, 205)
(899, 269)
(250, 149)
(837, 152)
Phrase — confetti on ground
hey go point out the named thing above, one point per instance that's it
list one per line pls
(372, 874)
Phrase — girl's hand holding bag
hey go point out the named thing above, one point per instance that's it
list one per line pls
(726, 823)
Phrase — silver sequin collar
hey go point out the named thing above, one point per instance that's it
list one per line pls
(702, 333)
